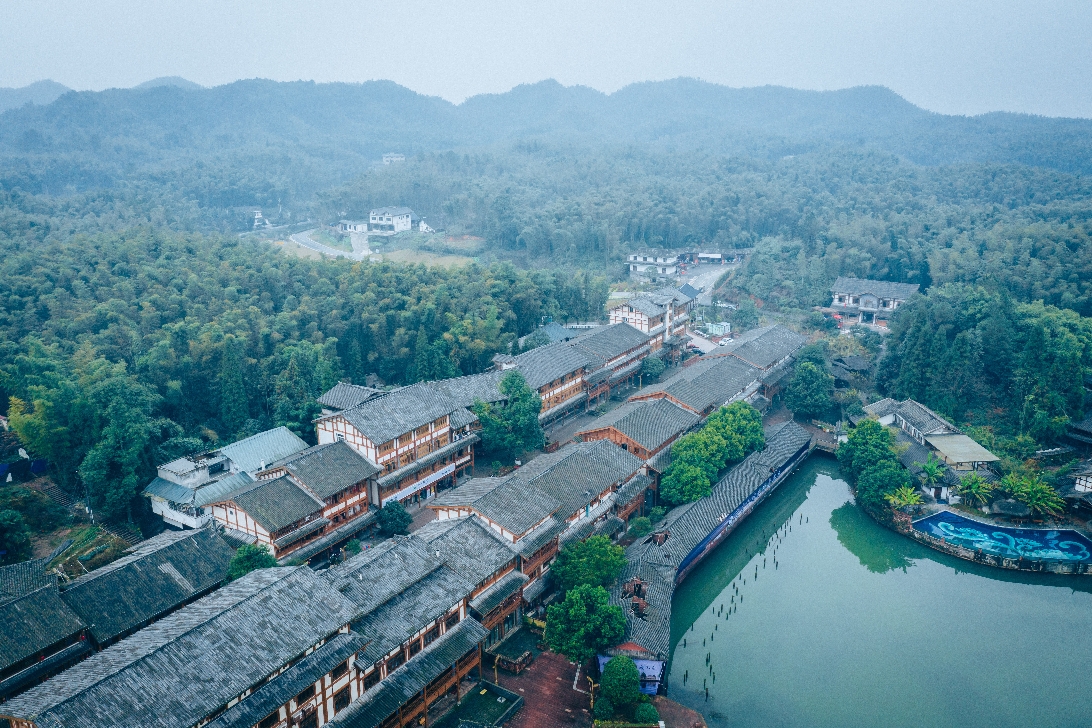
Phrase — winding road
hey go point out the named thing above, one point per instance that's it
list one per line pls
(305, 240)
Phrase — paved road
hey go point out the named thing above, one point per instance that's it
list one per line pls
(703, 344)
(304, 240)
(706, 278)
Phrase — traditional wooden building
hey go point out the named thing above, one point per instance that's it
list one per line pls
(421, 437)
(706, 385)
(185, 486)
(662, 314)
(556, 372)
(248, 635)
(614, 354)
(571, 491)
(154, 579)
(867, 300)
(643, 427)
(40, 635)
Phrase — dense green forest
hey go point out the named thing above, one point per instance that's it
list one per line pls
(120, 350)
(1019, 371)
(135, 324)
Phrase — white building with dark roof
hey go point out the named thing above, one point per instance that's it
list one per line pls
(390, 220)
(654, 262)
(183, 487)
(868, 300)
(662, 315)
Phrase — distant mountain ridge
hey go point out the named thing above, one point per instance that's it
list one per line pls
(39, 92)
(347, 124)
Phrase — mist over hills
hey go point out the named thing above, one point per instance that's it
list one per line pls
(94, 136)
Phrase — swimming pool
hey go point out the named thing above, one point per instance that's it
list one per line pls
(1039, 544)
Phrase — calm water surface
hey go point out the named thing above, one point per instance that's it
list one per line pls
(858, 626)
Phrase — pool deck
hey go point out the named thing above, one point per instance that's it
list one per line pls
(905, 525)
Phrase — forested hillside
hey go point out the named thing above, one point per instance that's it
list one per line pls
(122, 350)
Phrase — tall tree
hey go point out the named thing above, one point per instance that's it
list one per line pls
(594, 561)
(810, 390)
(584, 623)
(234, 408)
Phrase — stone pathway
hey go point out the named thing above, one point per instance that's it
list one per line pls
(548, 695)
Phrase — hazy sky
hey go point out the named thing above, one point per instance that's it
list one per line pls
(947, 55)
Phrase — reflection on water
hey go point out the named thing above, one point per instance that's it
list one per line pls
(875, 552)
(812, 614)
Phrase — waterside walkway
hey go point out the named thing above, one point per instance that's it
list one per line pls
(660, 561)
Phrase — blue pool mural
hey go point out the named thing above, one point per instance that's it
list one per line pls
(1040, 544)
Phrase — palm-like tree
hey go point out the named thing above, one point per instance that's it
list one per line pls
(975, 489)
(904, 496)
(1012, 484)
(1040, 497)
(932, 470)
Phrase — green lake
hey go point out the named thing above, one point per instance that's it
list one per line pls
(859, 626)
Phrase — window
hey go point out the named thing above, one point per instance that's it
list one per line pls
(310, 721)
(338, 436)
(451, 621)
(305, 695)
(371, 679)
(271, 720)
(341, 699)
(396, 662)
(414, 647)
(432, 634)
(339, 670)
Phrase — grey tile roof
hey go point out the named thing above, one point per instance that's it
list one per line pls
(555, 331)
(157, 577)
(378, 574)
(395, 413)
(540, 536)
(290, 683)
(255, 452)
(766, 346)
(344, 395)
(644, 304)
(411, 610)
(167, 490)
(882, 408)
(160, 676)
(607, 342)
(557, 483)
(462, 417)
(464, 391)
(546, 363)
(649, 423)
(631, 490)
(854, 363)
(882, 289)
(468, 546)
(303, 531)
(276, 503)
(689, 291)
(32, 615)
(23, 578)
(217, 489)
(329, 468)
(1084, 426)
(384, 699)
(924, 419)
(707, 384)
(343, 532)
(492, 597)
(687, 526)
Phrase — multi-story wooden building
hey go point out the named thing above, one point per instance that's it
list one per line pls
(614, 354)
(319, 496)
(662, 314)
(570, 493)
(184, 487)
(261, 637)
(420, 437)
(556, 372)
